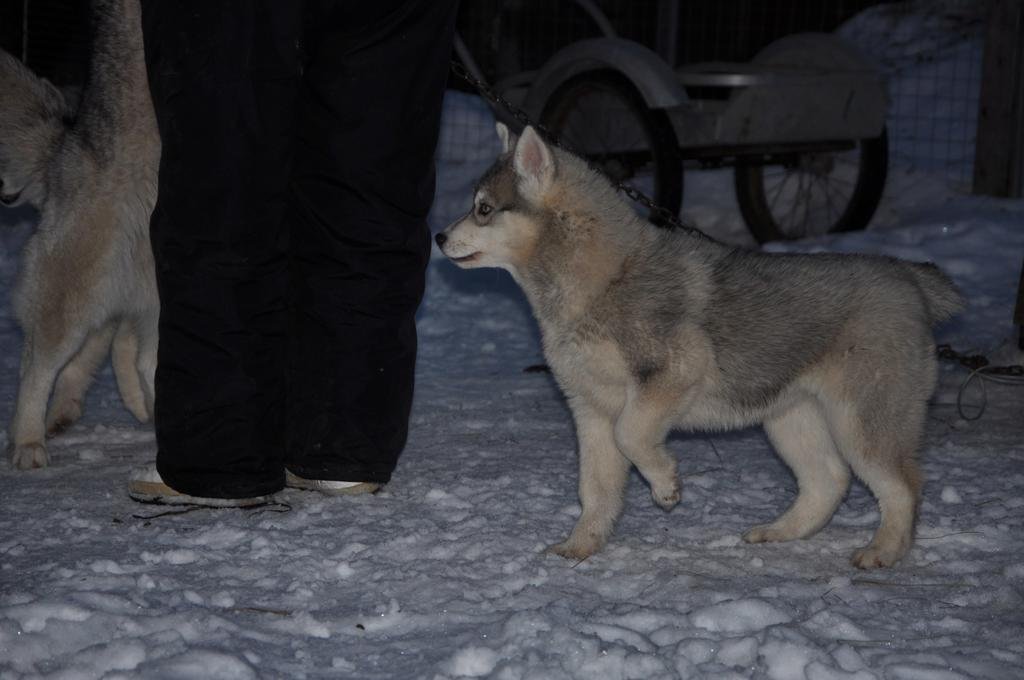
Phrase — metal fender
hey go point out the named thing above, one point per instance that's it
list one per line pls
(825, 89)
(829, 52)
(826, 50)
(650, 74)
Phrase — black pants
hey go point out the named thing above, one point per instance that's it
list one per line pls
(290, 233)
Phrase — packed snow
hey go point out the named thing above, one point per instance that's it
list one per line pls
(443, 574)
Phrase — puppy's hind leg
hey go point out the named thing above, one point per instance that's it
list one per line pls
(802, 439)
(883, 457)
(74, 381)
(603, 474)
(125, 356)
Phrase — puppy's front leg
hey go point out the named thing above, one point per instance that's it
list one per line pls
(39, 366)
(603, 473)
(640, 432)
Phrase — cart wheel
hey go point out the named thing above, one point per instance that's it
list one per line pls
(814, 193)
(602, 116)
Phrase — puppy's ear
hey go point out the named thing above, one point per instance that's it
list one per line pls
(508, 140)
(534, 163)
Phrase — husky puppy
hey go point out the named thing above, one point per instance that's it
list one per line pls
(647, 330)
(86, 280)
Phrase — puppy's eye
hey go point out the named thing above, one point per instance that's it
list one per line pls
(484, 210)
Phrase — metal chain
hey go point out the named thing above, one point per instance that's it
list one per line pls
(976, 362)
(664, 216)
(980, 368)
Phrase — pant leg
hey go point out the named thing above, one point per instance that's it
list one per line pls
(363, 183)
(224, 77)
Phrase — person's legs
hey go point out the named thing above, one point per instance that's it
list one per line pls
(224, 76)
(363, 182)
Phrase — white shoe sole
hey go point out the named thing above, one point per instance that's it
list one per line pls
(146, 486)
(329, 487)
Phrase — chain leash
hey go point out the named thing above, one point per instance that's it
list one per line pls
(978, 362)
(662, 215)
(980, 368)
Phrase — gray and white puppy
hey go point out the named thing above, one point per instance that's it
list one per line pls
(86, 280)
(647, 330)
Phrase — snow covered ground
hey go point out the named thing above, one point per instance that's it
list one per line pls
(443, 574)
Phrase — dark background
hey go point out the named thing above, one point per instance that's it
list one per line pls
(506, 36)
(58, 32)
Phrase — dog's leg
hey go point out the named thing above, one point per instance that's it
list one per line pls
(884, 459)
(41, 359)
(897, 488)
(603, 474)
(802, 439)
(125, 355)
(640, 432)
(74, 380)
(146, 328)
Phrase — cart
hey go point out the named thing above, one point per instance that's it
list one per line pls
(802, 123)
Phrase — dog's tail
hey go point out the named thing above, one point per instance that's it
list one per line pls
(116, 92)
(941, 297)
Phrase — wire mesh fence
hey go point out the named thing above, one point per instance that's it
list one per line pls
(931, 52)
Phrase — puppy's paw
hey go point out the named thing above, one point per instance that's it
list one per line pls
(666, 496)
(767, 533)
(61, 417)
(59, 424)
(575, 550)
(874, 557)
(28, 456)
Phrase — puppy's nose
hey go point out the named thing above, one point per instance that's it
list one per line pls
(440, 238)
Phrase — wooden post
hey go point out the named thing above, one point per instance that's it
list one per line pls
(11, 34)
(1018, 311)
(24, 32)
(999, 146)
(667, 45)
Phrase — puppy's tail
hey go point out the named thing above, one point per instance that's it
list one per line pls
(941, 297)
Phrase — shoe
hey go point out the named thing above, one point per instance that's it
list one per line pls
(146, 486)
(328, 486)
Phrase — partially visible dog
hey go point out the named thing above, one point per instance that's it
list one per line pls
(86, 281)
(648, 330)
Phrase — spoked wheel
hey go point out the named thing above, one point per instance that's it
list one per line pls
(813, 193)
(602, 116)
